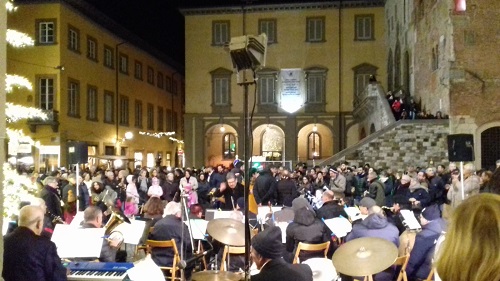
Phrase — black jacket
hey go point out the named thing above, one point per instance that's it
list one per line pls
(52, 200)
(228, 193)
(28, 256)
(278, 269)
(170, 227)
(286, 192)
(264, 188)
(329, 210)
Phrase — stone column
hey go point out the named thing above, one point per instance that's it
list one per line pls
(3, 70)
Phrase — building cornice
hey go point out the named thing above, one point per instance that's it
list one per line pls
(282, 7)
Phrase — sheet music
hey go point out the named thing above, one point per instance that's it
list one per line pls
(222, 214)
(77, 220)
(75, 242)
(410, 220)
(282, 225)
(199, 228)
(145, 267)
(264, 210)
(339, 226)
(132, 232)
(352, 212)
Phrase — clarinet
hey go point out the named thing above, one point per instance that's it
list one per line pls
(55, 219)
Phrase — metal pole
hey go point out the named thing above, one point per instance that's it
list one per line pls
(462, 179)
(246, 157)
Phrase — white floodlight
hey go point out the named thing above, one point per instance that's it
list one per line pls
(248, 52)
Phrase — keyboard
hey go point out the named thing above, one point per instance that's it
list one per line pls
(98, 270)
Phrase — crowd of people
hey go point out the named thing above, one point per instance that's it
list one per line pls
(409, 109)
(307, 195)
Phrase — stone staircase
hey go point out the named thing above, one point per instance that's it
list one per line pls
(399, 144)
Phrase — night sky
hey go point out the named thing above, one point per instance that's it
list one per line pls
(159, 22)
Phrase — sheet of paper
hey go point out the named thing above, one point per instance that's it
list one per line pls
(410, 220)
(132, 232)
(72, 242)
(352, 212)
(283, 225)
(198, 228)
(339, 226)
(263, 211)
(77, 220)
(222, 214)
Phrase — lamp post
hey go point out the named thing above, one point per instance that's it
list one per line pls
(117, 102)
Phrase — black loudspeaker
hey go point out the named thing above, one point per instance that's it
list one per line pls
(78, 153)
(460, 148)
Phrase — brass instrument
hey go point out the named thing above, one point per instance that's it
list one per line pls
(114, 221)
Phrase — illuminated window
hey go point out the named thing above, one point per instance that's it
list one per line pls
(313, 146)
(229, 146)
(46, 31)
(46, 93)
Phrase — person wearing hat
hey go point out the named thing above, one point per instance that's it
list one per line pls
(364, 206)
(266, 253)
(337, 181)
(376, 189)
(420, 263)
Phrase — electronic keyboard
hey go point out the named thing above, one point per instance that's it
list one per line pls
(98, 270)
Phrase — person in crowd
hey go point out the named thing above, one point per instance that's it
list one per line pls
(305, 186)
(422, 179)
(132, 189)
(29, 256)
(469, 251)
(92, 218)
(69, 199)
(155, 190)
(337, 181)
(350, 184)
(203, 189)
(264, 187)
(170, 188)
(399, 202)
(436, 186)
(188, 179)
(419, 196)
(143, 183)
(484, 180)
(420, 263)
(319, 183)
(231, 190)
(131, 208)
(361, 181)
(266, 252)
(237, 171)
(49, 195)
(96, 190)
(172, 227)
(191, 195)
(376, 189)
(404, 187)
(470, 186)
(252, 204)
(83, 195)
(305, 227)
(494, 183)
(153, 209)
(196, 211)
(286, 190)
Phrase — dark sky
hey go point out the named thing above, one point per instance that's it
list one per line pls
(160, 23)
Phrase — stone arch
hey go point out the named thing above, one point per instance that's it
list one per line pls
(486, 148)
(326, 141)
(269, 141)
(214, 138)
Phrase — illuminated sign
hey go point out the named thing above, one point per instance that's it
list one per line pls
(292, 94)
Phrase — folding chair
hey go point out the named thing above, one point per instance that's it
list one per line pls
(228, 250)
(151, 244)
(403, 262)
(312, 248)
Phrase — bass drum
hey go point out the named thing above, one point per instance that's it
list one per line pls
(322, 269)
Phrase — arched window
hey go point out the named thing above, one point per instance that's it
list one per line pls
(229, 146)
(362, 75)
(313, 146)
(272, 143)
(397, 67)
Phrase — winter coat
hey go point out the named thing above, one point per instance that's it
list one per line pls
(375, 225)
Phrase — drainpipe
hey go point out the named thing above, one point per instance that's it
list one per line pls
(341, 135)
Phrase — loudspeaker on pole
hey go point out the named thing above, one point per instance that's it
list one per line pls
(461, 148)
(78, 152)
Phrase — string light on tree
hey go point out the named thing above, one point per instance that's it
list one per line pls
(15, 112)
(157, 134)
(18, 39)
(18, 82)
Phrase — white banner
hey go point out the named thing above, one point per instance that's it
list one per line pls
(292, 93)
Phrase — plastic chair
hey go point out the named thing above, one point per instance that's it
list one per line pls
(311, 247)
(151, 244)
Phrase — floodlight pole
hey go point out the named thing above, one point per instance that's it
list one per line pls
(246, 147)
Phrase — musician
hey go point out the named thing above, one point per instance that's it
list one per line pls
(92, 218)
(331, 207)
(286, 189)
(420, 263)
(231, 194)
(266, 252)
(29, 256)
(264, 188)
(399, 202)
(172, 227)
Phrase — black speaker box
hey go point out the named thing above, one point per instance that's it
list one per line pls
(78, 153)
(461, 148)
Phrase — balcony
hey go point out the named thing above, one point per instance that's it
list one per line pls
(52, 120)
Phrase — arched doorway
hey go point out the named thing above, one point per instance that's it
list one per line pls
(372, 128)
(314, 142)
(490, 151)
(269, 141)
(221, 144)
(362, 134)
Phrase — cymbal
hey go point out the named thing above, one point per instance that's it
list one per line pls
(227, 231)
(364, 256)
(212, 275)
(322, 269)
